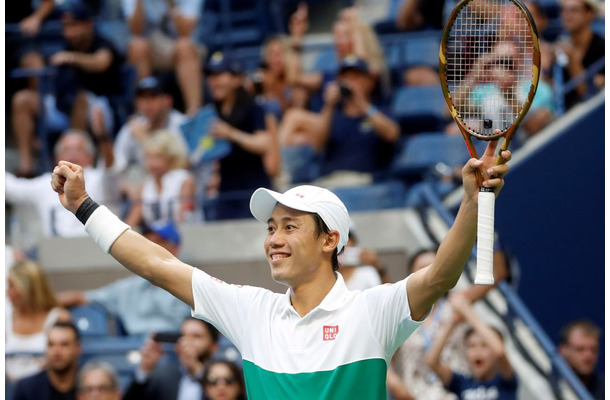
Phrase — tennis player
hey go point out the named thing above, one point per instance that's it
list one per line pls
(319, 340)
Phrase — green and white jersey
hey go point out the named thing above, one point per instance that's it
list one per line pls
(340, 350)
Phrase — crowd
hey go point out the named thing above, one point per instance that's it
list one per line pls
(275, 119)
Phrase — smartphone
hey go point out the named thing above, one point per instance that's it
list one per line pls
(166, 337)
(345, 91)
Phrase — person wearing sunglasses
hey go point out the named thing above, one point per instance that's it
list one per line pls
(223, 380)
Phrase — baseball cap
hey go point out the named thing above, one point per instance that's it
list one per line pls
(354, 63)
(165, 230)
(151, 84)
(306, 198)
(221, 62)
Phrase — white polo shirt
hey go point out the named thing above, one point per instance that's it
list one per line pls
(340, 350)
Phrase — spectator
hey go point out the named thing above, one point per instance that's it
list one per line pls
(579, 346)
(581, 48)
(88, 71)
(223, 380)
(172, 381)
(419, 14)
(36, 205)
(352, 36)
(58, 381)
(141, 306)
(154, 112)
(490, 369)
(495, 78)
(168, 192)
(355, 137)
(98, 380)
(360, 266)
(242, 121)
(164, 38)
(30, 312)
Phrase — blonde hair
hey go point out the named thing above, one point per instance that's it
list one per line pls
(168, 145)
(31, 281)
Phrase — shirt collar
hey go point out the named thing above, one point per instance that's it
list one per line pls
(332, 301)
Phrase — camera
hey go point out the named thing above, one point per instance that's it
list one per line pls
(166, 337)
(345, 91)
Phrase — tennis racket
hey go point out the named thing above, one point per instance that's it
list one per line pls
(489, 64)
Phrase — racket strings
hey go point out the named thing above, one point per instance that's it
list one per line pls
(489, 64)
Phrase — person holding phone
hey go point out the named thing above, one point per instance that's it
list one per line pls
(197, 342)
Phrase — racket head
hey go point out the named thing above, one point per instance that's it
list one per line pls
(489, 67)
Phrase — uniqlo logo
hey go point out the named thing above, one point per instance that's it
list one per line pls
(300, 195)
(330, 332)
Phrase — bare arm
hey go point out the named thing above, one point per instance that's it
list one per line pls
(30, 25)
(184, 25)
(97, 62)
(408, 17)
(137, 22)
(433, 357)
(71, 298)
(427, 285)
(461, 305)
(141, 256)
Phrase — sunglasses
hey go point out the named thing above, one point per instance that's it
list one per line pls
(213, 381)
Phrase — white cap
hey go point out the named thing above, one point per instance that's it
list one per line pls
(306, 198)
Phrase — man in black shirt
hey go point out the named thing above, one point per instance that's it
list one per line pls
(88, 71)
(241, 121)
(583, 48)
(58, 381)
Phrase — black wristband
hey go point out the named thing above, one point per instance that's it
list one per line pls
(86, 209)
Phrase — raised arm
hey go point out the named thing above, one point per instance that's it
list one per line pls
(433, 356)
(136, 253)
(462, 306)
(427, 285)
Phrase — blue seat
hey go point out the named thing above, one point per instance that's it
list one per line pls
(420, 153)
(120, 352)
(378, 196)
(420, 108)
(326, 61)
(91, 320)
(122, 103)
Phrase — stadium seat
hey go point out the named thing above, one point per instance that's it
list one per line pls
(420, 153)
(326, 61)
(420, 109)
(378, 196)
(91, 320)
(122, 103)
(120, 352)
(228, 205)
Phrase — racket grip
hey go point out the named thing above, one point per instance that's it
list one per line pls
(485, 239)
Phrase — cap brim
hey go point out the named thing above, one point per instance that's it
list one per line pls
(263, 202)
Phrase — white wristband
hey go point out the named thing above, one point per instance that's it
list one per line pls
(104, 227)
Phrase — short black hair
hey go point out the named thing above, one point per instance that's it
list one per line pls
(322, 228)
(214, 333)
(68, 325)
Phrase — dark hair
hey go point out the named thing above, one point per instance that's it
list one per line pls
(68, 325)
(322, 228)
(586, 325)
(418, 253)
(237, 374)
(470, 330)
(214, 333)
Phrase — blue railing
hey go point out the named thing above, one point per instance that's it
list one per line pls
(517, 310)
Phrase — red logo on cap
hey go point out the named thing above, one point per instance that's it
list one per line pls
(299, 195)
(329, 332)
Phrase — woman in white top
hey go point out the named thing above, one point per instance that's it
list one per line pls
(31, 310)
(168, 191)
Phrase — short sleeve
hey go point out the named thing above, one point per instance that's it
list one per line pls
(390, 315)
(129, 8)
(191, 8)
(228, 307)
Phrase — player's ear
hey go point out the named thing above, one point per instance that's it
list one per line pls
(331, 241)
